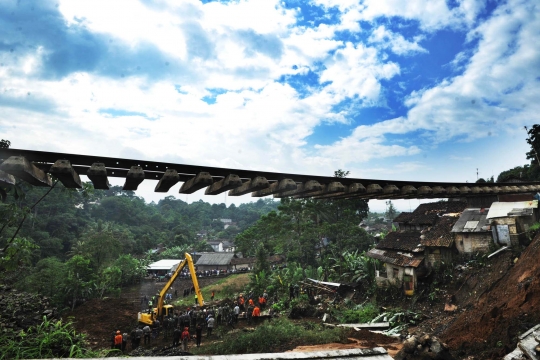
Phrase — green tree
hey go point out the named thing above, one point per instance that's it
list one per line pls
(390, 210)
(5, 144)
(78, 279)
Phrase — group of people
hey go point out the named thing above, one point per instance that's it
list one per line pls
(183, 326)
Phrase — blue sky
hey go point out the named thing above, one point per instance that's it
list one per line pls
(409, 90)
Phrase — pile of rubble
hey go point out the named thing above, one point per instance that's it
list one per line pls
(423, 347)
(20, 310)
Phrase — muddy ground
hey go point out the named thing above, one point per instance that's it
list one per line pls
(496, 299)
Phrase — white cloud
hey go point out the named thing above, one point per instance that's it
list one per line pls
(385, 38)
(494, 95)
(243, 48)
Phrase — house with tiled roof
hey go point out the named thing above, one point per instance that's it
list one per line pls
(402, 255)
(423, 242)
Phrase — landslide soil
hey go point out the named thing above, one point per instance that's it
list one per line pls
(496, 315)
(98, 318)
(496, 301)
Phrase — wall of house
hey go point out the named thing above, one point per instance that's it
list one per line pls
(435, 256)
(512, 228)
(213, 267)
(467, 243)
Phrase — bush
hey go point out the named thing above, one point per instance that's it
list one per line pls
(275, 336)
(360, 314)
(48, 340)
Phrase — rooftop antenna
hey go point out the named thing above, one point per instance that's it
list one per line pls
(477, 174)
(529, 138)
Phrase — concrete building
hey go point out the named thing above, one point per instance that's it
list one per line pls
(472, 232)
(511, 220)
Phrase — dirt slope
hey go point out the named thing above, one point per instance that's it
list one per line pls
(503, 310)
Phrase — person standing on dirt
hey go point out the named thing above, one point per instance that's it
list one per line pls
(185, 338)
(138, 335)
(147, 331)
(256, 314)
(236, 313)
(219, 315)
(118, 340)
(198, 333)
(124, 341)
(176, 336)
(249, 313)
(212, 296)
(132, 336)
(196, 299)
(150, 303)
(157, 328)
(210, 323)
(194, 315)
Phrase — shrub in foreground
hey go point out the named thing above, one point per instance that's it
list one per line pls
(276, 336)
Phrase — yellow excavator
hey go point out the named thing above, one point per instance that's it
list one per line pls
(161, 310)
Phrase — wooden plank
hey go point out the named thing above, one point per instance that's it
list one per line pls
(167, 181)
(98, 175)
(231, 181)
(201, 180)
(20, 167)
(381, 325)
(334, 188)
(255, 184)
(134, 177)
(6, 179)
(276, 187)
(309, 186)
(64, 172)
(391, 189)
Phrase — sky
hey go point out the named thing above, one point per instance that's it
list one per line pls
(427, 90)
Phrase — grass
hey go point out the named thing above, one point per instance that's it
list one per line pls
(275, 336)
(50, 339)
(227, 287)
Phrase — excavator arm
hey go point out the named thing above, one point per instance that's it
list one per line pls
(189, 261)
(158, 310)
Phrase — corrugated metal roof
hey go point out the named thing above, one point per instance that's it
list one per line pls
(469, 217)
(215, 259)
(502, 209)
(396, 258)
(165, 264)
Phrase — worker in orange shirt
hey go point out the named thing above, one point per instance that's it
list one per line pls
(118, 340)
(241, 302)
(262, 302)
(256, 314)
(251, 303)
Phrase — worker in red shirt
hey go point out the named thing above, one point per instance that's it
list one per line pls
(251, 303)
(185, 338)
(118, 340)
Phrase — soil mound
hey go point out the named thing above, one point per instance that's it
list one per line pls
(99, 318)
(504, 310)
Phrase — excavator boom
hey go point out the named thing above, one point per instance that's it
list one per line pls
(148, 318)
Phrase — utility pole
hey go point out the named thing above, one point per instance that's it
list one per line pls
(534, 150)
(476, 174)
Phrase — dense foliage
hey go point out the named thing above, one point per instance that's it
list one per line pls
(88, 243)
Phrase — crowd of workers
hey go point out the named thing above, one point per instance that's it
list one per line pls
(183, 326)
